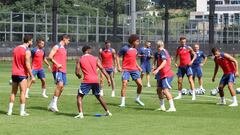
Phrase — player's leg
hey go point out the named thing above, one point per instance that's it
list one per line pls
(60, 79)
(136, 77)
(23, 87)
(42, 77)
(12, 97)
(112, 83)
(148, 71)
(221, 93)
(200, 79)
(231, 90)
(80, 105)
(191, 82)
(34, 72)
(101, 83)
(161, 97)
(125, 78)
(166, 86)
(180, 74)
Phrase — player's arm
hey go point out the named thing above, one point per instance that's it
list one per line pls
(163, 64)
(234, 61)
(114, 58)
(52, 53)
(28, 64)
(118, 63)
(215, 71)
(77, 69)
(176, 59)
(139, 68)
(99, 65)
(154, 62)
(99, 53)
(194, 56)
(47, 63)
(204, 60)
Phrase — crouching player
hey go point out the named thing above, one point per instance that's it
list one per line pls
(229, 66)
(89, 64)
(166, 77)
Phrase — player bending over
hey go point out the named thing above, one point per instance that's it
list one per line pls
(89, 64)
(229, 66)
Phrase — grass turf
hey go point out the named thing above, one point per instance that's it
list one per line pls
(202, 116)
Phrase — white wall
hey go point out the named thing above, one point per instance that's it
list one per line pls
(202, 5)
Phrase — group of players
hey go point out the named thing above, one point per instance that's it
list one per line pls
(28, 63)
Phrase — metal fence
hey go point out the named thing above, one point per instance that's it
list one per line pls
(94, 30)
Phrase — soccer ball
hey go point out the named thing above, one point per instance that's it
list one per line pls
(190, 92)
(200, 91)
(184, 91)
(214, 92)
(10, 82)
(238, 90)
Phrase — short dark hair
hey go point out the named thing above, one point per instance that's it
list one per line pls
(182, 38)
(85, 48)
(64, 36)
(27, 38)
(214, 50)
(106, 42)
(40, 39)
(133, 38)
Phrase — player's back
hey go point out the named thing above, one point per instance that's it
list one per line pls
(107, 58)
(88, 65)
(61, 58)
(184, 55)
(166, 71)
(18, 64)
(37, 58)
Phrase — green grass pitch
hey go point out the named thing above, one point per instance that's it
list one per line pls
(200, 117)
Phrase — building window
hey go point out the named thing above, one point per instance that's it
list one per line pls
(199, 17)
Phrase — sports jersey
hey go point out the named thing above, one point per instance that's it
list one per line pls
(184, 54)
(227, 65)
(129, 62)
(166, 71)
(19, 67)
(88, 65)
(61, 58)
(38, 56)
(146, 52)
(107, 58)
(198, 60)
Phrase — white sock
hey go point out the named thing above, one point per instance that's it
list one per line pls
(138, 97)
(55, 99)
(234, 99)
(171, 103)
(27, 91)
(201, 87)
(161, 102)
(180, 93)
(10, 107)
(222, 99)
(44, 91)
(123, 100)
(193, 93)
(22, 108)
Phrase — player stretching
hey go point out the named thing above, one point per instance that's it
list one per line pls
(166, 77)
(200, 60)
(21, 67)
(58, 57)
(229, 66)
(184, 53)
(145, 54)
(108, 58)
(38, 56)
(130, 68)
(89, 64)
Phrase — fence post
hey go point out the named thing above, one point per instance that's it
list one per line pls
(87, 29)
(11, 38)
(23, 27)
(46, 30)
(35, 27)
(77, 38)
(106, 24)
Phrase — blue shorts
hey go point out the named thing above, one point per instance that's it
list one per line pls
(40, 73)
(134, 74)
(146, 67)
(18, 79)
(157, 76)
(86, 87)
(109, 70)
(60, 77)
(184, 70)
(227, 78)
(197, 71)
(165, 83)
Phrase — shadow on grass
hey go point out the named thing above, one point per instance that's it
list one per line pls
(38, 108)
(3, 112)
(72, 114)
